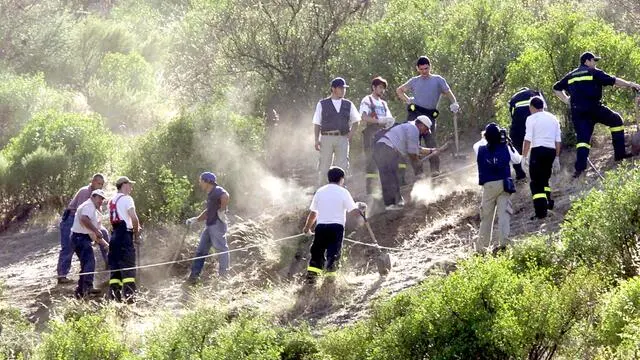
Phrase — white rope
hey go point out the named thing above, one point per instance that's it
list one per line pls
(371, 245)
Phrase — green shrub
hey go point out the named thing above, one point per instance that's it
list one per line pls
(90, 336)
(619, 309)
(17, 336)
(600, 229)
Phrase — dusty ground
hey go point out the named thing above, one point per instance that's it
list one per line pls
(434, 230)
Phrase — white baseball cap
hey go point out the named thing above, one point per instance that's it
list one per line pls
(425, 120)
(98, 192)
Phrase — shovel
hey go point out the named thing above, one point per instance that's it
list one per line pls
(383, 260)
(175, 256)
(457, 154)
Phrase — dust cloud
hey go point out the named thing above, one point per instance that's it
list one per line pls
(427, 191)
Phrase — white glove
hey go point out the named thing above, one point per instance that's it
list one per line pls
(191, 221)
(411, 99)
(361, 206)
(387, 121)
(222, 215)
(556, 165)
(454, 107)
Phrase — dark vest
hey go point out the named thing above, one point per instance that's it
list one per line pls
(332, 120)
(493, 164)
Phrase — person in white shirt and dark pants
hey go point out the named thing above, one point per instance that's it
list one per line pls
(329, 208)
(543, 137)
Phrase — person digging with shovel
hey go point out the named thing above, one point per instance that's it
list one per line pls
(328, 211)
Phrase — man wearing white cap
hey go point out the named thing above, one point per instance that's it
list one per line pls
(84, 232)
(401, 140)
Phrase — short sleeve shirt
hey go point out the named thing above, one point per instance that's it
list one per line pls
(369, 105)
(354, 116)
(332, 202)
(213, 204)
(426, 91)
(404, 137)
(123, 204)
(81, 196)
(543, 129)
(89, 209)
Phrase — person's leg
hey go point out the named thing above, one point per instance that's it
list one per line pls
(430, 142)
(218, 235)
(104, 250)
(326, 157)
(342, 153)
(334, 247)
(537, 172)
(504, 212)
(550, 156)
(115, 279)
(584, 129)
(613, 120)
(128, 261)
(517, 144)
(203, 249)
(316, 263)
(387, 170)
(66, 247)
(84, 250)
(371, 172)
(487, 212)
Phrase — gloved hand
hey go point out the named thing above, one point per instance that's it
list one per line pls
(389, 121)
(454, 107)
(411, 99)
(222, 215)
(361, 206)
(556, 165)
(191, 221)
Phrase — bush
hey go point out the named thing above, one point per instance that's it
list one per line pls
(619, 313)
(66, 148)
(600, 230)
(17, 336)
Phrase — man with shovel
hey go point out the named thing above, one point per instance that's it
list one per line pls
(328, 211)
(427, 89)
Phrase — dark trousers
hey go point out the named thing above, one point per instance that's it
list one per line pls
(122, 254)
(517, 138)
(387, 160)
(371, 172)
(428, 139)
(584, 120)
(540, 166)
(328, 239)
(83, 249)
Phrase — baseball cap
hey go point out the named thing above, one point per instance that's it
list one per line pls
(588, 56)
(339, 82)
(492, 133)
(123, 180)
(208, 177)
(98, 192)
(425, 120)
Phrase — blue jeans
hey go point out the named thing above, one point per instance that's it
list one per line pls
(66, 248)
(213, 235)
(82, 248)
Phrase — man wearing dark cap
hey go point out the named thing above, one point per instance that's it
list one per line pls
(328, 211)
(427, 89)
(581, 89)
(400, 141)
(214, 233)
(67, 220)
(494, 173)
(334, 123)
(519, 111)
(543, 138)
(122, 252)
(85, 231)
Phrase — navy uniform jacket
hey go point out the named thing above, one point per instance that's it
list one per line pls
(584, 85)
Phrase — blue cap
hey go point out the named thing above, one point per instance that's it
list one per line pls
(339, 82)
(208, 177)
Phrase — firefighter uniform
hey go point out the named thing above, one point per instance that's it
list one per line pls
(122, 252)
(519, 111)
(584, 85)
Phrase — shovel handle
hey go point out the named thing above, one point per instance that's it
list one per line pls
(455, 131)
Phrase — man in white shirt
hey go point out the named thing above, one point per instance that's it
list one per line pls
(122, 252)
(328, 210)
(84, 232)
(334, 124)
(376, 115)
(543, 137)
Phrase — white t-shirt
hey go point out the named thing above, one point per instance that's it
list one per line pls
(331, 202)
(543, 129)
(122, 207)
(354, 116)
(514, 156)
(379, 106)
(89, 209)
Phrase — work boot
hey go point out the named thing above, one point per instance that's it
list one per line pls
(64, 280)
(192, 280)
(625, 156)
(95, 291)
(550, 204)
(393, 207)
(577, 174)
(401, 202)
(435, 173)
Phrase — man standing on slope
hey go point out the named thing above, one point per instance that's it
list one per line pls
(376, 115)
(519, 111)
(334, 124)
(328, 211)
(122, 252)
(543, 137)
(67, 221)
(581, 89)
(427, 89)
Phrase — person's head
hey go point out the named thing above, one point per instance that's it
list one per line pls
(423, 65)
(335, 175)
(124, 185)
(338, 87)
(423, 123)
(97, 181)
(97, 197)
(536, 104)
(207, 181)
(589, 60)
(378, 86)
(492, 134)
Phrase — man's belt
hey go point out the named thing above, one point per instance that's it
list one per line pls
(431, 113)
(333, 133)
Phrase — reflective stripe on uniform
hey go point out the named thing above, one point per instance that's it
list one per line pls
(331, 274)
(128, 280)
(539, 196)
(371, 176)
(616, 128)
(522, 103)
(547, 189)
(579, 145)
(115, 282)
(581, 78)
(402, 166)
(314, 270)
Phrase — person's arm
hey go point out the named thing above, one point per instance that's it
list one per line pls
(86, 222)
(316, 136)
(354, 119)
(558, 138)
(515, 157)
(525, 148)
(317, 122)
(352, 130)
(628, 84)
(560, 88)
(365, 110)
(402, 90)
(224, 201)
(452, 98)
(135, 222)
(311, 219)
(74, 203)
